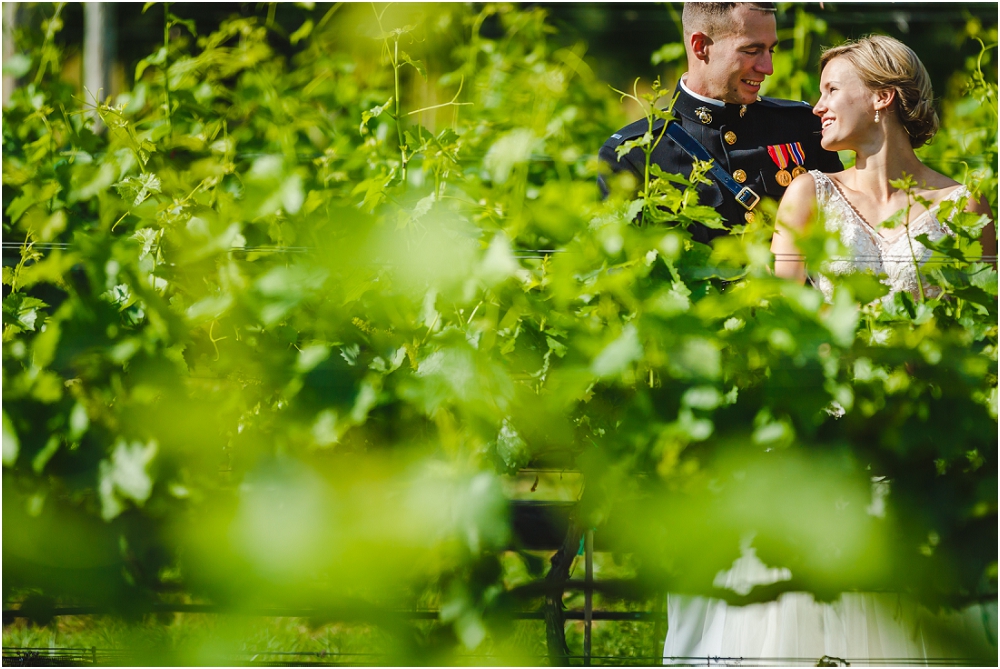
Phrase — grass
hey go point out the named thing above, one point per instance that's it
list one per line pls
(227, 639)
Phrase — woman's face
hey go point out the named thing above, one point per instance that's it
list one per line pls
(846, 106)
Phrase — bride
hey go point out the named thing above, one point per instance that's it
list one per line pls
(876, 100)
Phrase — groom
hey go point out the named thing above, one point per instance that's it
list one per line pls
(758, 144)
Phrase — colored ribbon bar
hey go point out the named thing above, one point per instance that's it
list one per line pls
(778, 156)
(798, 155)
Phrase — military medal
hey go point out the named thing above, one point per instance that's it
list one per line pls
(799, 156)
(777, 153)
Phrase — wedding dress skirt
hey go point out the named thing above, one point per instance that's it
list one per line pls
(859, 628)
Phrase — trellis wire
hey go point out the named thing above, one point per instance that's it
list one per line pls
(530, 254)
(39, 656)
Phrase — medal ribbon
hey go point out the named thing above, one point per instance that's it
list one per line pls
(777, 153)
(798, 155)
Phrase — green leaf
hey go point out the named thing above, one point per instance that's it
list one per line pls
(374, 112)
(707, 216)
(89, 181)
(158, 58)
(897, 219)
(125, 477)
(187, 23)
(865, 286)
(32, 194)
(417, 65)
(11, 444)
(626, 147)
(702, 397)
(668, 53)
(17, 65)
(310, 356)
(43, 456)
(135, 190)
(843, 317)
(79, 422)
(619, 354)
(22, 311)
(509, 150)
(302, 32)
(498, 264)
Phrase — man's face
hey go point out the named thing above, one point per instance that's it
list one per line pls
(739, 60)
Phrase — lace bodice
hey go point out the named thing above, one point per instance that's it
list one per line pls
(871, 251)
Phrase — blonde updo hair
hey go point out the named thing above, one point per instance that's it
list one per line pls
(883, 62)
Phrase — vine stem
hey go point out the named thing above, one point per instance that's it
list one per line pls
(399, 121)
(50, 36)
(166, 61)
(913, 255)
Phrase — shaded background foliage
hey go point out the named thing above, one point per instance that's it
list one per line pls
(279, 332)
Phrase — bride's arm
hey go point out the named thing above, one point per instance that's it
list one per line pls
(988, 238)
(796, 210)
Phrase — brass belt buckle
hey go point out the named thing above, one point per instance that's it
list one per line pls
(746, 195)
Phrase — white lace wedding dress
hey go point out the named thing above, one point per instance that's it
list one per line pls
(869, 249)
(860, 628)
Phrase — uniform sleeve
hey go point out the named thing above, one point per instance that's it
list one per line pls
(608, 156)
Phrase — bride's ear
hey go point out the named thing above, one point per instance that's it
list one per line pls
(884, 98)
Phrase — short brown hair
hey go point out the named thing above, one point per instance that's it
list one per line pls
(712, 18)
(884, 62)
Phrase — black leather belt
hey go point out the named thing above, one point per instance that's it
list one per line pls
(744, 195)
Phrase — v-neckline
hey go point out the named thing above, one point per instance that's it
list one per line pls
(872, 230)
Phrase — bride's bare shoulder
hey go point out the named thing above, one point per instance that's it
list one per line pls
(936, 185)
(802, 188)
(799, 201)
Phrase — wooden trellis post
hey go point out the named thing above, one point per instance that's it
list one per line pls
(99, 51)
(9, 21)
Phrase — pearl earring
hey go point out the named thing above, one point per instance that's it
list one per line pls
(876, 116)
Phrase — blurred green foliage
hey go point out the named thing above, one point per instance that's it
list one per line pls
(281, 328)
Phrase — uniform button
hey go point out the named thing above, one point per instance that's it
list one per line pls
(740, 176)
(730, 137)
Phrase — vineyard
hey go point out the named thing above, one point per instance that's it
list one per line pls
(299, 320)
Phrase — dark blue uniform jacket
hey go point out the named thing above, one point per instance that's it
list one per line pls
(736, 141)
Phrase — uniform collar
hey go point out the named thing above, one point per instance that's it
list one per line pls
(711, 101)
(687, 105)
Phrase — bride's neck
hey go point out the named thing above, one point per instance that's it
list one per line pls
(885, 158)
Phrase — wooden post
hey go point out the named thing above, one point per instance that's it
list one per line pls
(9, 21)
(660, 627)
(555, 620)
(99, 42)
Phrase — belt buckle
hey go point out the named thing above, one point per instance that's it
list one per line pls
(746, 194)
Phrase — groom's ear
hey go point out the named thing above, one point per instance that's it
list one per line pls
(699, 43)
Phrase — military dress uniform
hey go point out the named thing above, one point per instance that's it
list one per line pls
(761, 145)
